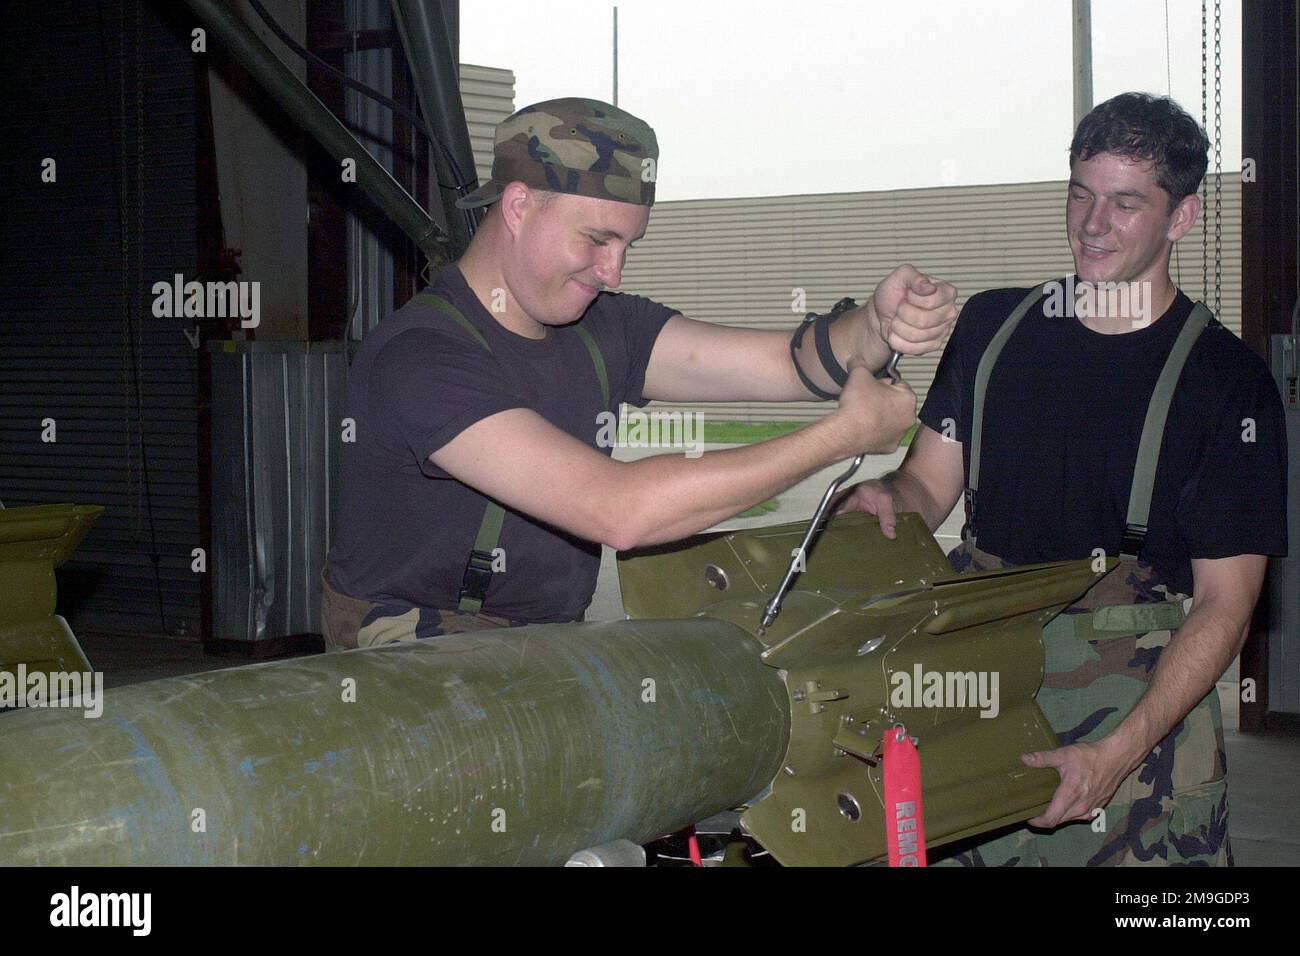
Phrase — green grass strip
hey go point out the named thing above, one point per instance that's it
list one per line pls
(747, 433)
(762, 508)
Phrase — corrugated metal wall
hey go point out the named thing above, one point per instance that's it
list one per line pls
(107, 91)
(738, 261)
(488, 95)
(275, 413)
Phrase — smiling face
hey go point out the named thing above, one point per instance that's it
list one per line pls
(1119, 223)
(566, 249)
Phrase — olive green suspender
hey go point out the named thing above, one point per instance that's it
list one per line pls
(478, 569)
(1153, 428)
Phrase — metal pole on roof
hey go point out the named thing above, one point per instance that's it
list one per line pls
(1082, 59)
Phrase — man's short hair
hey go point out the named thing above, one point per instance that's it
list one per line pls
(1153, 129)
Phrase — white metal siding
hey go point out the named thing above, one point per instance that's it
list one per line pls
(488, 95)
(737, 261)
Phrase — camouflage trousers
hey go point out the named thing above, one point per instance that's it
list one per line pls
(1173, 809)
(348, 622)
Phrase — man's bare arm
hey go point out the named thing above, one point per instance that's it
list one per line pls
(703, 362)
(929, 482)
(1226, 590)
(520, 459)
(1199, 651)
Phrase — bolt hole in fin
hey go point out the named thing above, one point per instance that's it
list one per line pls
(848, 805)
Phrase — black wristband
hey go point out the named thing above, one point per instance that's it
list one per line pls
(796, 341)
(822, 337)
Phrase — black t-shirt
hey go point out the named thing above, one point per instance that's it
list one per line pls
(405, 527)
(1063, 417)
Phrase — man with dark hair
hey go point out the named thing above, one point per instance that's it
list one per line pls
(1152, 129)
(1105, 416)
(480, 488)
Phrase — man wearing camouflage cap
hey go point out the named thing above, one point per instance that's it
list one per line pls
(478, 491)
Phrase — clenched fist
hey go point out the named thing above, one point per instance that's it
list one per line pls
(912, 311)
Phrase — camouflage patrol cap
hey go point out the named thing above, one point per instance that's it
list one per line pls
(573, 145)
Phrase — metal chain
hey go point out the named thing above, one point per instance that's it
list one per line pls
(1205, 122)
(145, 510)
(1218, 158)
(139, 254)
(128, 425)
(1169, 91)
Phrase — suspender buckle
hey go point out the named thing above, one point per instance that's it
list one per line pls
(478, 574)
(1135, 535)
(968, 529)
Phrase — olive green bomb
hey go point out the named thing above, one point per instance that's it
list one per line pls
(526, 745)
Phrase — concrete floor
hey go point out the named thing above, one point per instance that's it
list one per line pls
(1264, 771)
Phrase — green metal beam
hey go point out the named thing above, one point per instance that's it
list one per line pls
(302, 106)
(433, 69)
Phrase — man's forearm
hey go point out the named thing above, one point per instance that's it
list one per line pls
(1197, 654)
(910, 494)
(667, 497)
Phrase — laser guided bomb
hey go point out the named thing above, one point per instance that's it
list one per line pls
(526, 745)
